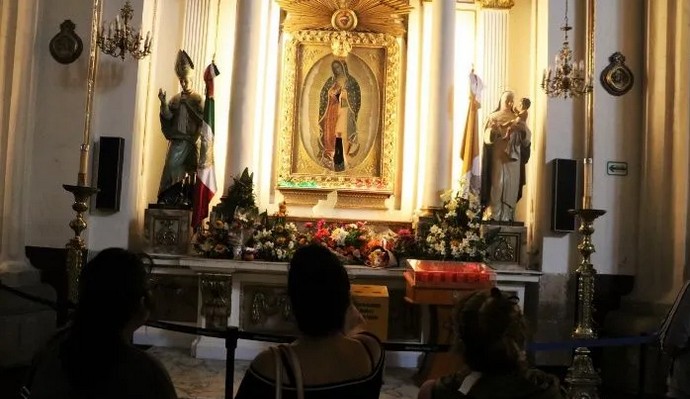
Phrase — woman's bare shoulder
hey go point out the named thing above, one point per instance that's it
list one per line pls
(372, 343)
(264, 364)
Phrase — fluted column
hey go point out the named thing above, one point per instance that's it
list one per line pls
(493, 57)
(199, 36)
(440, 127)
(243, 98)
(16, 129)
(24, 325)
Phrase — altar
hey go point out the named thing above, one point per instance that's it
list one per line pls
(252, 295)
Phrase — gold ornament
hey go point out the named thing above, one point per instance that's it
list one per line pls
(345, 16)
(501, 4)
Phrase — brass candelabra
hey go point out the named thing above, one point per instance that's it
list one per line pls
(76, 248)
(121, 38)
(582, 378)
(567, 78)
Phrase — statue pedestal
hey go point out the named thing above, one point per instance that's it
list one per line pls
(508, 245)
(167, 231)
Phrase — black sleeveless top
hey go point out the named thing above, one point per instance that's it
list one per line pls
(257, 386)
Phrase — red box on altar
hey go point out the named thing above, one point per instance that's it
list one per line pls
(446, 274)
(444, 282)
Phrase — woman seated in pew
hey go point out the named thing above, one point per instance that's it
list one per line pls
(333, 357)
(490, 337)
(92, 357)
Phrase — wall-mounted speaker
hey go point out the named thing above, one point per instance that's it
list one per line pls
(111, 155)
(564, 194)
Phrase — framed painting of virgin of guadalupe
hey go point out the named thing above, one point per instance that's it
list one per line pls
(338, 117)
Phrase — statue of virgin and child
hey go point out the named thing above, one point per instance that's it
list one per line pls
(507, 141)
(181, 122)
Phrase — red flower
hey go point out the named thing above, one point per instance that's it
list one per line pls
(404, 233)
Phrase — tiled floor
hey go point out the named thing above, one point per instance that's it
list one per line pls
(197, 379)
(205, 379)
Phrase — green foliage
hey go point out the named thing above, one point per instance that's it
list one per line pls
(240, 195)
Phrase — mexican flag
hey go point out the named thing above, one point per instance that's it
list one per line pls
(205, 186)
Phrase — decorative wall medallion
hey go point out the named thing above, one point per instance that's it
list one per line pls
(617, 79)
(66, 46)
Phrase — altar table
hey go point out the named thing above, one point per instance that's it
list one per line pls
(252, 295)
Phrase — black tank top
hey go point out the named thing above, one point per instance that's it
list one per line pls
(257, 386)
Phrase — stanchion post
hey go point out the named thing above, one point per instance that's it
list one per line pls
(231, 336)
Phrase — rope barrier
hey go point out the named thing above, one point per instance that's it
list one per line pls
(235, 333)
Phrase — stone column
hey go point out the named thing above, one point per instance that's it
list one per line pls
(243, 98)
(24, 326)
(493, 57)
(16, 130)
(440, 128)
(199, 36)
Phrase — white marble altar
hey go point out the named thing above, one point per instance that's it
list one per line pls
(241, 276)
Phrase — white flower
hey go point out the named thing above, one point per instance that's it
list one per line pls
(339, 235)
(291, 244)
(445, 196)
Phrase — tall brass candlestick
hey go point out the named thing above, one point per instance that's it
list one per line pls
(589, 111)
(582, 377)
(76, 248)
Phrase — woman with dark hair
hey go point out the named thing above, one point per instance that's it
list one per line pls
(330, 358)
(92, 357)
(490, 336)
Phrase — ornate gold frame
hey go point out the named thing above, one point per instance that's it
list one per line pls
(301, 51)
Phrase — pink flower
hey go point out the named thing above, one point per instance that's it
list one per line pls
(404, 233)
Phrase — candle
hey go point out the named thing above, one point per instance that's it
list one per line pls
(587, 193)
(83, 160)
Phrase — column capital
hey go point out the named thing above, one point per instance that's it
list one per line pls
(496, 4)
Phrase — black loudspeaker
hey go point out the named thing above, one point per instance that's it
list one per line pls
(111, 154)
(564, 194)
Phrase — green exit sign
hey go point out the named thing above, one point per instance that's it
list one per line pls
(617, 168)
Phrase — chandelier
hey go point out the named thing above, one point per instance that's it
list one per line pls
(567, 78)
(122, 38)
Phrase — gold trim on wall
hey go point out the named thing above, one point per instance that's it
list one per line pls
(304, 196)
(375, 167)
(361, 200)
(500, 4)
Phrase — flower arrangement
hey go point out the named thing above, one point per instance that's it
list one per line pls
(405, 244)
(277, 243)
(279, 240)
(224, 235)
(455, 233)
(349, 241)
(213, 241)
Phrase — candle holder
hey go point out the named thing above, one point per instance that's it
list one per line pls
(582, 378)
(567, 78)
(121, 38)
(76, 249)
